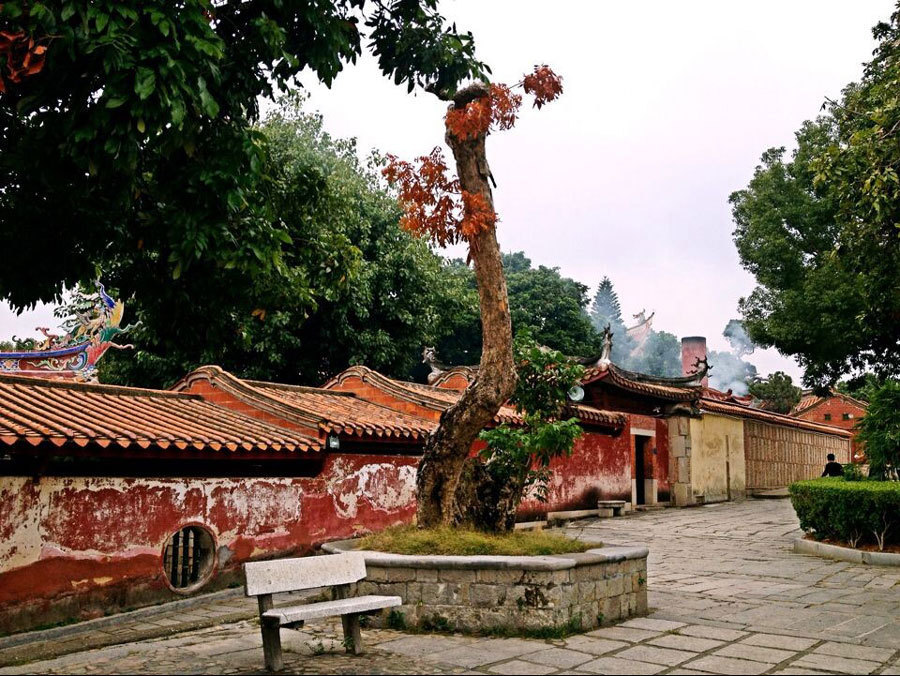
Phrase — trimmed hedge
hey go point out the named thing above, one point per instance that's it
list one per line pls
(854, 512)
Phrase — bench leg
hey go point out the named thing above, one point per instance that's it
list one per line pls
(352, 633)
(271, 637)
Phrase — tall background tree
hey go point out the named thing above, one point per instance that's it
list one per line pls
(355, 287)
(819, 231)
(549, 307)
(135, 150)
(777, 392)
(606, 311)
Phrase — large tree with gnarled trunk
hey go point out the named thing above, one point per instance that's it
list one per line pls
(448, 210)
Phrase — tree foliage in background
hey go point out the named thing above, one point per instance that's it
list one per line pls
(879, 430)
(777, 392)
(550, 307)
(861, 387)
(820, 231)
(517, 457)
(135, 145)
(354, 287)
(660, 356)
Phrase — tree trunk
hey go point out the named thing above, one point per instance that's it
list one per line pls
(447, 449)
(485, 502)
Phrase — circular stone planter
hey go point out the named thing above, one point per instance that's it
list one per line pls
(507, 594)
(825, 550)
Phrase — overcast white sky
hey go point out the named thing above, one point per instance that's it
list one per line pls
(667, 108)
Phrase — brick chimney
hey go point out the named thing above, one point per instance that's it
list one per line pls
(692, 349)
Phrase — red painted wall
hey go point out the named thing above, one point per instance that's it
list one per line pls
(599, 468)
(73, 547)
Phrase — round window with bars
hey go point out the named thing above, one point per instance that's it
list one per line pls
(189, 558)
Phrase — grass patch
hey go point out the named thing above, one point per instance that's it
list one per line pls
(464, 542)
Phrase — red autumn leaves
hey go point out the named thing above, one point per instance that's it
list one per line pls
(433, 203)
(20, 56)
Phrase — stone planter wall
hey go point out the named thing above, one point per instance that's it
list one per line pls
(515, 594)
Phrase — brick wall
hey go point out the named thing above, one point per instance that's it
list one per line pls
(778, 455)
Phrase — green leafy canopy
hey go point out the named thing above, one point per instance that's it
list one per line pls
(821, 231)
(136, 145)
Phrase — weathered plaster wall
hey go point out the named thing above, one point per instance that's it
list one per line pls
(599, 468)
(717, 451)
(74, 547)
(778, 456)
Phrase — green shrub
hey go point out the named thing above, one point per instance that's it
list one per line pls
(855, 512)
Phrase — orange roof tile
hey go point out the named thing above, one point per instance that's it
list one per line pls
(37, 410)
(344, 412)
(440, 399)
(640, 384)
(326, 410)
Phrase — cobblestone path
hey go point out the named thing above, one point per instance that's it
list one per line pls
(727, 595)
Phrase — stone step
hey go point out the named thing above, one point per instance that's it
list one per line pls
(649, 508)
(572, 515)
(530, 525)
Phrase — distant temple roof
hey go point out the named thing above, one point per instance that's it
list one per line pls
(673, 389)
(810, 400)
(37, 411)
(640, 331)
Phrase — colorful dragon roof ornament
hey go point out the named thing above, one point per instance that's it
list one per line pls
(89, 334)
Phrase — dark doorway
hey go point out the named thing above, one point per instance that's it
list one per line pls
(640, 445)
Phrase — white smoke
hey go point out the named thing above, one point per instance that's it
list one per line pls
(730, 372)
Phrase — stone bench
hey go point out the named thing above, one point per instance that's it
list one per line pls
(338, 571)
(607, 508)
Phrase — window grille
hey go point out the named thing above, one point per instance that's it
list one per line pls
(188, 557)
(827, 416)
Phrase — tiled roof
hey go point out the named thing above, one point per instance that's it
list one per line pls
(440, 399)
(322, 409)
(640, 384)
(468, 373)
(59, 412)
(741, 411)
(349, 414)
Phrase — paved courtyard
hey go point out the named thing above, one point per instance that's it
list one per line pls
(727, 595)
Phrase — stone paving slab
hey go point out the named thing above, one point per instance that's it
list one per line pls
(791, 614)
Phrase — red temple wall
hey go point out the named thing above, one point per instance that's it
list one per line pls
(74, 547)
(599, 468)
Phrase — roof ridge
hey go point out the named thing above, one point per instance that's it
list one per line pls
(94, 387)
(782, 418)
(364, 372)
(298, 388)
(240, 388)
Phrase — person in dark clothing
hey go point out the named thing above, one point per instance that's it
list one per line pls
(833, 468)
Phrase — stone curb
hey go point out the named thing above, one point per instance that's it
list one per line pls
(44, 650)
(804, 546)
(546, 563)
(119, 618)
